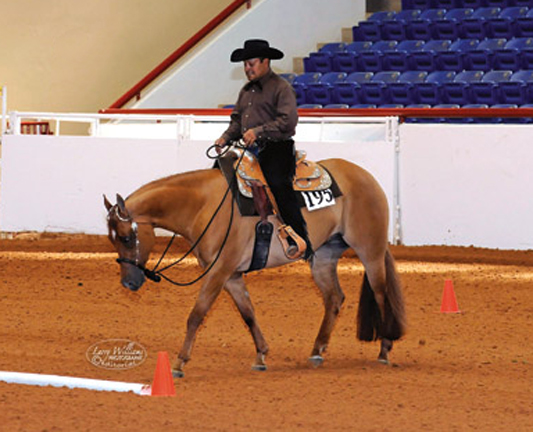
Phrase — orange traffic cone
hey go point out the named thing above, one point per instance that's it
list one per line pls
(449, 302)
(163, 384)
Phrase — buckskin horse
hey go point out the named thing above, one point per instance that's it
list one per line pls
(185, 204)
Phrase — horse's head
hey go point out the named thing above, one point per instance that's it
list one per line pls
(133, 240)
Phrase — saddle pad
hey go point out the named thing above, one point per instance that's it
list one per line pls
(246, 205)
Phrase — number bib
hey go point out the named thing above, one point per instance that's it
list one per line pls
(315, 200)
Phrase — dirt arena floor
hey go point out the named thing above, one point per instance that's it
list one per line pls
(60, 295)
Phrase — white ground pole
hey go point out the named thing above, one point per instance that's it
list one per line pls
(73, 382)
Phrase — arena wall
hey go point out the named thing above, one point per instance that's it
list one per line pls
(446, 184)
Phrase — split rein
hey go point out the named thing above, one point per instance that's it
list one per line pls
(155, 274)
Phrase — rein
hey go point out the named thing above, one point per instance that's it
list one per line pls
(156, 275)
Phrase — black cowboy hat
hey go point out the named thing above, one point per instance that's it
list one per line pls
(255, 48)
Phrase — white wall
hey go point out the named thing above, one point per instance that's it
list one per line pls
(206, 78)
(467, 185)
(55, 183)
(458, 184)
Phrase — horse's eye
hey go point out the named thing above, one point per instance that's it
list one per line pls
(125, 240)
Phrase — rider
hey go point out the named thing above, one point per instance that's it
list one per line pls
(266, 114)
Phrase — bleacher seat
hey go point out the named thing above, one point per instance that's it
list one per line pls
(376, 91)
(300, 84)
(458, 91)
(510, 56)
(487, 91)
(503, 26)
(481, 57)
(403, 90)
(429, 91)
(370, 29)
(321, 92)
(396, 29)
(426, 58)
(322, 60)
(337, 106)
(519, 89)
(347, 60)
(289, 76)
(449, 26)
(371, 60)
(364, 106)
(475, 26)
(452, 59)
(310, 106)
(348, 92)
(398, 59)
(421, 28)
(391, 105)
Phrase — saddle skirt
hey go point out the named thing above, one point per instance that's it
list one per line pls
(310, 176)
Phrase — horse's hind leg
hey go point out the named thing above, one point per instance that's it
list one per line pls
(381, 312)
(237, 289)
(324, 272)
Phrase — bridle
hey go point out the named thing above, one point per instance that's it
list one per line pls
(155, 274)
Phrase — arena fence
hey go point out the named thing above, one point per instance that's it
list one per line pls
(447, 184)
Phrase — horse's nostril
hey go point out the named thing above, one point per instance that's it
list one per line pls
(131, 285)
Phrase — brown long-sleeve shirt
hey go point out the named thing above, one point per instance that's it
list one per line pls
(268, 106)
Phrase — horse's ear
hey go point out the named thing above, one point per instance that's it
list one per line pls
(107, 204)
(122, 206)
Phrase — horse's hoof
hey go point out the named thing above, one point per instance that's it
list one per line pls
(316, 360)
(177, 373)
(383, 361)
(259, 367)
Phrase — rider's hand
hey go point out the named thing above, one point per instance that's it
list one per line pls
(249, 137)
(219, 145)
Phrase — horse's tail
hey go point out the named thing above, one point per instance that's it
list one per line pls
(370, 325)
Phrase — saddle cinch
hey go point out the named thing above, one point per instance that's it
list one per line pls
(251, 183)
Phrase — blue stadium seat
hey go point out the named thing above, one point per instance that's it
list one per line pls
(453, 58)
(396, 29)
(370, 29)
(458, 91)
(310, 106)
(503, 26)
(519, 89)
(504, 119)
(429, 91)
(371, 60)
(475, 26)
(391, 105)
(403, 91)
(398, 59)
(347, 60)
(510, 56)
(449, 27)
(421, 28)
(487, 91)
(337, 106)
(364, 106)
(348, 92)
(289, 76)
(376, 91)
(322, 60)
(474, 4)
(523, 26)
(481, 57)
(321, 92)
(300, 84)
(426, 59)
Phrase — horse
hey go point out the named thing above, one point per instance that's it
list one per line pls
(185, 203)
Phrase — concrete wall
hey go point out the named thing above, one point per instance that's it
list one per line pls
(80, 56)
(207, 79)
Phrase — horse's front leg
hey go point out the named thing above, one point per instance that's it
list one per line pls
(237, 289)
(208, 293)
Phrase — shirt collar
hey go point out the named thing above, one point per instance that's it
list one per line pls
(260, 83)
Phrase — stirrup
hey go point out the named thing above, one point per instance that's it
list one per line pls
(295, 250)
